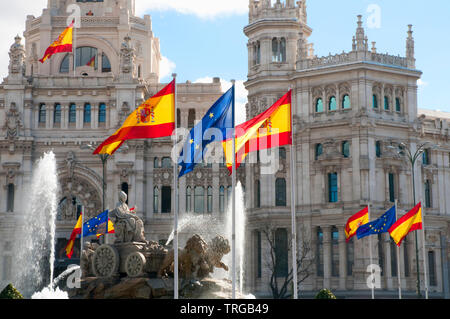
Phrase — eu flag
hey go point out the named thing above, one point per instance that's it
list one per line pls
(91, 227)
(381, 225)
(221, 117)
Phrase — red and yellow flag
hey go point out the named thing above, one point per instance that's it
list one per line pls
(355, 221)
(269, 129)
(154, 118)
(62, 44)
(76, 231)
(410, 222)
(91, 62)
(110, 229)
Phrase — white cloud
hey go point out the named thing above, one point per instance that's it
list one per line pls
(166, 68)
(206, 9)
(422, 83)
(241, 96)
(12, 23)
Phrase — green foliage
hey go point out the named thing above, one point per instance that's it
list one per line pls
(325, 294)
(10, 293)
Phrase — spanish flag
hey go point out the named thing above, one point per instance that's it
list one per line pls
(62, 44)
(109, 230)
(154, 118)
(269, 129)
(410, 222)
(76, 231)
(91, 62)
(355, 221)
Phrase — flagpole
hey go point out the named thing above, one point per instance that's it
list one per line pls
(175, 187)
(293, 210)
(233, 204)
(74, 48)
(81, 238)
(398, 261)
(424, 252)
(370, 256)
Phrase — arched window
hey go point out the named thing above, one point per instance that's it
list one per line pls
(257, 53)
(334, 252)
(319, 252)
(86, 56)
(428, 193)
(374, 101)
(282, 153)
(222, 199)
(346, 149)
(42, 113)
(139, 71)
(283, 50)
(257, 194)
(210, 199)
(178, 118)
(332, 187)
(275, 50)
(166, 162)
(281, 252)
(191, 118)
(393, 257)
(155, 200)
(386, 103)
(188, 199)
(57, 113)
(106, 65)
(391, 179)
(280, 192)
(346, 104)
(65, 65)
(319, 105)
(155, 162)
(332, 105)
(426, 157)
(199, 200)
(72, 113)
(432, 268)
(378, 148)
(166, 199)
(10, 199)
(398, 105)
(102, 113)
(318, 151)
(124, 187)
(87, 113)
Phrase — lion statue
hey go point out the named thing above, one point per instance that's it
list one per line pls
(198, 259)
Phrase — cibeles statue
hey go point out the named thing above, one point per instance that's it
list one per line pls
(127, 226)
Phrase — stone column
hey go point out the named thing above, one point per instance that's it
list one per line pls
(326, 257)
(49, 116)
(216, 189)
(64, 116)
(342, 259)
(94, 116)
(80, 117)
(389, 280)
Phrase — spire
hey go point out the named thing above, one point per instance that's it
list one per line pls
(410, 48)
(360, 38)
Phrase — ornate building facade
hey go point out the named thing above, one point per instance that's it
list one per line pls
(351, 112)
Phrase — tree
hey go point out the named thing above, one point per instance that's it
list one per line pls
(10, 293)
(277, 261)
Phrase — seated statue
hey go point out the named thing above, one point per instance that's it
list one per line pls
(127, 226)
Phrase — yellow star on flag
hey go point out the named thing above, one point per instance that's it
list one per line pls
(211, 115)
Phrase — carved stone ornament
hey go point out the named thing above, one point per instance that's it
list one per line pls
(13, 123)
(16, 57)
(127, 56)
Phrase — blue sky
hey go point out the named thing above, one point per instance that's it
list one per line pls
(216, 46)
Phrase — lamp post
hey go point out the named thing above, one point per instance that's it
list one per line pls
(412, 158)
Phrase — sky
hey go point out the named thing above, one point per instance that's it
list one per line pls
(202, 39)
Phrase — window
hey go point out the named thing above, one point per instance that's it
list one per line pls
(281, 253)
(257, 194)
(432, 268)
(374, 101)
(398, 107)
(87, 113)
(139, 71)
(406, 256)
(378, 148)
(155, 200)
(280, 192)
(391, 187)
(283, 50)
(166, 162)
(332, 105)
(427, 193)
(393, 257)
(42, 113)
(350, 256)
(257, 53)
(166, 199)
(191, 118)
(380, 254)
(319, 105)
(318, 151)
(278, 50)
(210, 199)
(332, 188)
(178, 118)
(10, 201)
(334, 252)
(106, 65)
(346, 149)
(65, 65)
(319, 253)
(258, 254)
(346, 104)
(222, 199)
(386, 103)
(282, 153)
(72, 113)
(102, 113)
(86, 56)
(199, 200)
(57, 113)
(188, 199)
(275, 50)
(426, 157)
(125, 189)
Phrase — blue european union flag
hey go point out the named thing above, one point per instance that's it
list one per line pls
(221, 117)
(91, 227)
(381, 225)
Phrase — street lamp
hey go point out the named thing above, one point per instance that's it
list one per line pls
(405, 151)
